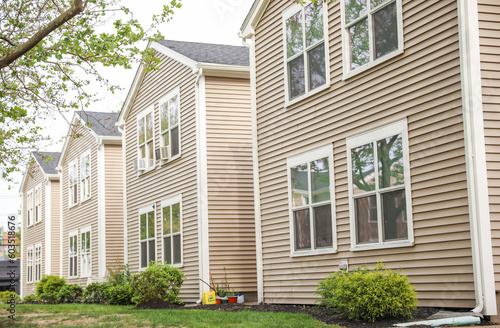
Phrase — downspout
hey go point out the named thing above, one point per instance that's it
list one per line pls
(61, 216)
(101, 211)
(124, 173)
(255, 160)
(475, 156)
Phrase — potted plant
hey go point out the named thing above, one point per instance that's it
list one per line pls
(222, 295)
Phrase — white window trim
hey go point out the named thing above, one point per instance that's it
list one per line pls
(74, 162)
(347, 72)
(165, 203)
(83, 197)
(30, 263)
(37, 217)
(142, 210)
(140, 116)
(292, 10)
(168, 96)
(322, 152)
(73, 234)
(371, 136)
(37, 273)
(82, 231)
(30, 201)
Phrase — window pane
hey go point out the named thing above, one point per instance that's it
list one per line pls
(144, 254)
(152, 251)
(166, 220)
(82, 241)
(375, 3)
(394, 212)
(88, 241)
(176, 218)
(177, 249)
(143, 227)
(151, 154)
(366, 219)
(385, 26)
(167, 252)
(141, 132)
(359, 43)
(314, 22)
(149, 126)
(166, 139)
(390, 161)
(323, 235)
(164, 116)
(143, 151)
(363, 169)
(320, 180)
(300, 187)
(354, 9)
(317, 70)
(302, 229)
(70, 267)
(151, 224)
(294, 35)
(174, 135)
(296, 77)
(75, 265)
(174, 111)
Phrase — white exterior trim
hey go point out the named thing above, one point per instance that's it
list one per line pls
(61, 226)
(168, 202)
(253, 18)
(125, 212)
(48, 227)
(174, 55)
(134, 89)
(475, 151)
(101, 216)
(145, 210)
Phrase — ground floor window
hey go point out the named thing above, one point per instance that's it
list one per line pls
(73, 255)
(172, 231)
(38, 262)
(85, 252)
(29, 262)
(147, 246)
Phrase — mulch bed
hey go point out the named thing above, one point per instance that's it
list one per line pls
(325, 315)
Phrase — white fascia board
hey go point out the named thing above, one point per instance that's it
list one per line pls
(223, 70)
(24, 180)
(253, 18)
(175, 55)
(132, 93)
(110, 140)
(66, 142)
(52, 176)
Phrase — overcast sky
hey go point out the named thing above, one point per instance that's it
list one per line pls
(208, 21)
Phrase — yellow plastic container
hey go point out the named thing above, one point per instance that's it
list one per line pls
(209, 298)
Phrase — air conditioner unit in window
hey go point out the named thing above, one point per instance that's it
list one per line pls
(164, 152)
(140, 164)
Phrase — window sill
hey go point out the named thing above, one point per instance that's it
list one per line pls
(86, 199)
(307, 95)
(74, 205)
(366, 67)
(314, 252)
(369, 247)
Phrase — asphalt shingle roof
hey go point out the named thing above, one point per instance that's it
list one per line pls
(103, 124)
(210, 53)
(48, 166)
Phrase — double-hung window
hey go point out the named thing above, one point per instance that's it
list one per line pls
(379, 188)
(147, 236)
(29, 264)
(311, 201)
(38, 262)
(145, 136)
(73, 182)
(29, 205)
(38, 203)
(73, 254)
(172, 231)
(170, 122)
(85, 176)
(372, 32)
(306, 49)
(85, 253)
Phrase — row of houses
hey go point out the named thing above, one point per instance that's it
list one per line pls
(343, 133)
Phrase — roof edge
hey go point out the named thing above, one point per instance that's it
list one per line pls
(254, 15)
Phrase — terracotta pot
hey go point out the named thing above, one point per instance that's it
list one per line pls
(232, 299)
(219, 300)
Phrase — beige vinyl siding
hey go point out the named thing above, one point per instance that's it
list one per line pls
(84, 214)
(421, 85)
(35, 233)
(55, 209)
(230, 184)
(113, 179)
(171, 178)
(489, 39)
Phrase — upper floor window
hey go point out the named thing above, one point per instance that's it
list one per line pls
(147, 236)
(172, 231)
(38, 204)
(311, 200)
(379, 188)
(85, 176)
(73, 254)
(38, 262)
(372, 30)
(29, 207)
(306, 49)
(170, 124)
(73, 182)
(85, 252)
(145, 136)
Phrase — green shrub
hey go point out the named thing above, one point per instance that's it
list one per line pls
(368, 294)
(119, 295)
(70, 294)
(119, 277)
(32, 298)
(7, 296)
(158, 281)
(48, 288)
(96, 292)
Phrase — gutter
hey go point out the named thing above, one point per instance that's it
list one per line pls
(122, 129)
(475, 156)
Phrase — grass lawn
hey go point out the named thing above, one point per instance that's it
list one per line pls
(91, 315)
